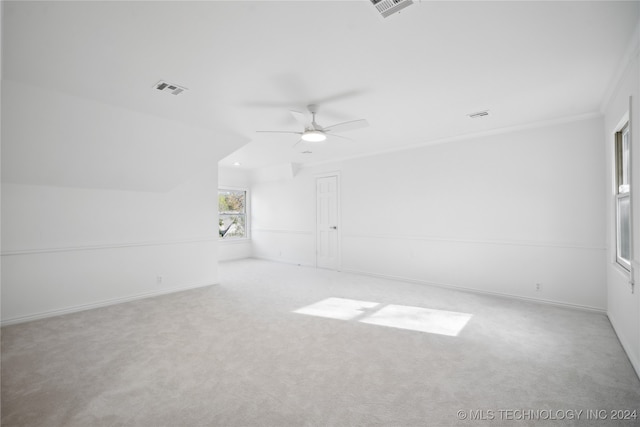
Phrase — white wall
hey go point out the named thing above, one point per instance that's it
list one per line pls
(623, 305)
(283, 215)
(101, 204)
(494, 214)
(235, 179)
(1, 84)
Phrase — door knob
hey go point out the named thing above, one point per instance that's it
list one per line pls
(333, 227)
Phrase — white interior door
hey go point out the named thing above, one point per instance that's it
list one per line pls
(327, 217)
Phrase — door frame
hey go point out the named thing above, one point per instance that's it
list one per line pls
(318, 176)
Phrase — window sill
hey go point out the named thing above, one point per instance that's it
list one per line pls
(234, 241)
(622, 271)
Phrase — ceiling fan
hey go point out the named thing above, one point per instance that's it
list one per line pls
(313, 132)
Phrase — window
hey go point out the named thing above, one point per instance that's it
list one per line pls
(623, 197)
(232, 214)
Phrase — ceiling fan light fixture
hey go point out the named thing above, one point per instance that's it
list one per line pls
(313, 136)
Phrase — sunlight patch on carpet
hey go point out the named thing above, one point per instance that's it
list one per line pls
(337, 308)
(420, 319)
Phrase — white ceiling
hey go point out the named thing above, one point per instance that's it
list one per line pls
(414, 76)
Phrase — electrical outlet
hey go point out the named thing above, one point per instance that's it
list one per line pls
(159, 280)
(538, 287)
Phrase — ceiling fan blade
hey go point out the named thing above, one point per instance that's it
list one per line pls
(267, 104)
(339, 96)
(300, 117)
(333, 135)
(345, 126)
(278, 131)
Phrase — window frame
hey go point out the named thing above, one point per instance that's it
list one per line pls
(622, 190)
(247, 228)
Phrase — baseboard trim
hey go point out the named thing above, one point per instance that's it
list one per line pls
(282, 261)
(104, 303)
(478, 291)
(625, 345)
(447, 286)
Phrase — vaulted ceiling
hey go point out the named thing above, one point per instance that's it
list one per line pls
(415, 76)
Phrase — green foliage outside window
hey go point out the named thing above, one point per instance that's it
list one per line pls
(232, 214)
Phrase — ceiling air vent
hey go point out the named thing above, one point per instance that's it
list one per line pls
(169, 88)
(479, 114)
(389, 7)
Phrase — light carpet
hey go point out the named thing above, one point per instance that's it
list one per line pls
(238, 354)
